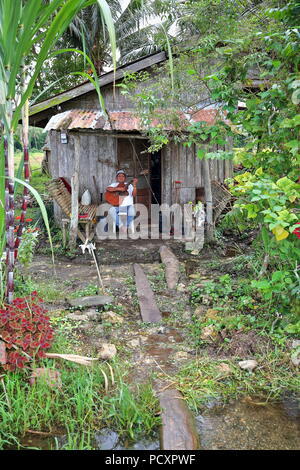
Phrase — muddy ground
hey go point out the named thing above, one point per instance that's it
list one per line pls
(161, 348)
(157, 352)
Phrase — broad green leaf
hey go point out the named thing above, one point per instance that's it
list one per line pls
(285, 183)
(263, 285)
(293, 145)
(287, 123)
(280, 233)
(296, 120)
(200, 153)
(278, 276)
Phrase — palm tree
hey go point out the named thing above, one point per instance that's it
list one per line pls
(134, 37)
(23, 25)
(215, 21)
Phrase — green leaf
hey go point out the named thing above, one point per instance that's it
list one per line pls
(278, 275)
(42, 207)
(262, 285)
(296, 120)
(287, 123)
(276, 63)
(293, 145)
(200, 153)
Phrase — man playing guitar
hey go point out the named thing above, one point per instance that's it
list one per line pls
(120, 195)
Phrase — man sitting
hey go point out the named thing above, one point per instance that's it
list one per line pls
(122, 199)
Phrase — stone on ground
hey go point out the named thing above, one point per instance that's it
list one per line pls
(107, 351)
(248, 365)
(77, 317)
(112, 317)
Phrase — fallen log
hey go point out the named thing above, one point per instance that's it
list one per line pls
(178, 431)
(171, 265)
(90, 301)
(148, 307)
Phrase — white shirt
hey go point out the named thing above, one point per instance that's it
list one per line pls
(128, 200)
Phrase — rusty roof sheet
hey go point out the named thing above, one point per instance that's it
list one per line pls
(120, 120)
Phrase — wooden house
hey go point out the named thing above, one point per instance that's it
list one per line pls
(108, 145)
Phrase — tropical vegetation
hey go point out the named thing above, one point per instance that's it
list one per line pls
(242, 59)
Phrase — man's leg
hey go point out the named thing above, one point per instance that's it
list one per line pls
(114, 214)
(130, 215)
(122, 213)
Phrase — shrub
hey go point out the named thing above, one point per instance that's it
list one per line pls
(26, 330)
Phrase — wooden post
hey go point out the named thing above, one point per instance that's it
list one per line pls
(208, 200)
(75, 193)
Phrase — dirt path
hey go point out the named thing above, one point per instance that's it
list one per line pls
(160, 348)
(158, 352)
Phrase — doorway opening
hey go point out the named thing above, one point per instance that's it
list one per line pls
(155, 177)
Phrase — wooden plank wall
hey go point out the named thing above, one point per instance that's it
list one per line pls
(180, 163)
(98, 158)
(114, 101)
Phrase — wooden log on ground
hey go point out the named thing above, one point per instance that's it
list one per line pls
(149, 309)
(178, 430)
(172, 266)
(91, 301)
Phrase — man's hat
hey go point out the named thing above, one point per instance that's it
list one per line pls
(120, 172)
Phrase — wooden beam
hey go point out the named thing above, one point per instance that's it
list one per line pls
(208, 200)
(171, 266)
(178, 431)
(75, 193)
(149, 309)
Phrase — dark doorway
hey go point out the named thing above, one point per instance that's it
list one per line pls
(155, 177)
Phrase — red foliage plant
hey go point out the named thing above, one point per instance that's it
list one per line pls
(24, 324)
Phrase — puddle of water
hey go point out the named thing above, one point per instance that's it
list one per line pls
(41, 442)
(246, 425)
(250, 425)
(159, 353)
(156, 345)
(106, 439)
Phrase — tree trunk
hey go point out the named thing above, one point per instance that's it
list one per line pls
(75, 193)
(208, 200)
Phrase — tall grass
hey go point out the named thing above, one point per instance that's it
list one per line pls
(79, 409)
(24, 25)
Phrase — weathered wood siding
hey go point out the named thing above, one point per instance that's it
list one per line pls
(181, 163)
(114, 101)
(98, 158)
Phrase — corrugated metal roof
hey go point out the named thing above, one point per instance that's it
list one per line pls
(120, 120)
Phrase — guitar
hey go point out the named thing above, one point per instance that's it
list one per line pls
(116, 197)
